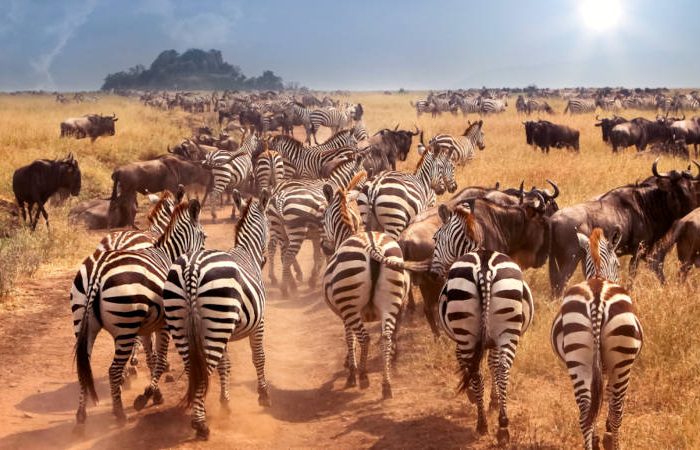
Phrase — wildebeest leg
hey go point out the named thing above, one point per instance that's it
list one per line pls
(36, 216)
(430, 290)
(45, 214)
(560, 272)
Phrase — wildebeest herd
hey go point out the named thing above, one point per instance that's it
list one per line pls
(381, 230)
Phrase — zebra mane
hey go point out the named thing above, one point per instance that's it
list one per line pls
(467, 218)
(420, 161)
(594, 241)
(244, 217)
(180, 210)
(158, 207)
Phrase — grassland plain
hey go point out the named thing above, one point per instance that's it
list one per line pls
(663, 403)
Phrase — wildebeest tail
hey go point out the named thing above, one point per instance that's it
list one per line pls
(115, 182)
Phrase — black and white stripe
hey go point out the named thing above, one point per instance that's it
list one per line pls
(580, 106)
(269, 170)
(366, 280)
(392, 199)
(485, 305)
(308, 162)
(597, 333)
(463, 148)
(492, 106)
(213, 297)
(124, 297)
(335, 119)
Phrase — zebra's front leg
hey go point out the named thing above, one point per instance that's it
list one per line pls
(256, 347)
(288, 259)
(363, 339)
(224, 369)
(318, 261)
(271, 250)
(350, 360)
(123, 346)
(161, 355)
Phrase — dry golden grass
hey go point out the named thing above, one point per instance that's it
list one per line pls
(663, 403)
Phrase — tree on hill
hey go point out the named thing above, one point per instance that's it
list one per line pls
(194, 69)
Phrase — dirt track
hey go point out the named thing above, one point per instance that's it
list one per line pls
(304, 349)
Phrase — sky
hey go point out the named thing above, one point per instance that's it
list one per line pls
(360, 44)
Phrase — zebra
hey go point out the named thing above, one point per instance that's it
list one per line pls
(308, 162)
(520, 105)
(484, 305)
(269, 170)
(492, 106)
(333, 118)
(579, 105)
(597, 333)
(468, 104)
(159, 217)
(230, 169)
(124, 296)
(359, 131)
(533, 105)
(462, 147)
(299, 114)
(366, 280)
(295, 213)
(422, 107)
(393, 198)
(213, 297)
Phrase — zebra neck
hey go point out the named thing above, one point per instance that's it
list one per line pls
(424, 174)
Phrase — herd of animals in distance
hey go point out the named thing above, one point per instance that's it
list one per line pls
(381, 231)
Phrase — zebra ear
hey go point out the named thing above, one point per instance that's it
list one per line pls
(445, 213)
(180, 194)
(264, 198)
(328, 192)
(194, 209)
(237, 199)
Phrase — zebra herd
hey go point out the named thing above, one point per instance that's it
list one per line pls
(163, 282)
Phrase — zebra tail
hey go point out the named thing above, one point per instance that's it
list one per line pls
(82, 353)
(198, 370)
(484, 282)
(414, 266)
(597, 372)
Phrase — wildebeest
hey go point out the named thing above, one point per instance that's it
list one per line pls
(639, 132)
(545, 134)
(606, 125)
(395, 144)
(687, 131)
(91, 125)
(96, 214)
(35, 183)
(643, 212)
(685, 235)
(520, 229)
(155, 175)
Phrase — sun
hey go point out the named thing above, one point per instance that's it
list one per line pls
(600, 15)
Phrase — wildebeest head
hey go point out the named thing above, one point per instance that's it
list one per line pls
(529, 129)
(103, 125)
(69, 174)
(535, 232)
(607, 124)
(680, 187)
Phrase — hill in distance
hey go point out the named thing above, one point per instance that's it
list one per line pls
(194, 69)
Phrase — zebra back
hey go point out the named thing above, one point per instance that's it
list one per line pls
(340, 219)
(458, 235)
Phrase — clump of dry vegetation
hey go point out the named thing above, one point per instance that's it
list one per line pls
(663, 403)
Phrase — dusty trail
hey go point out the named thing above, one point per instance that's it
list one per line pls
(304, 350)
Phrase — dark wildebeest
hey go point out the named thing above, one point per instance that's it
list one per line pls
(394, 143)
(155, 175)
(417, 243)
(606, 125)
(91, 125)
(643, 212)
(545, 134)
(96, 214)
(35, 183)
(251, 119)
(685, 235)
(687, 131)
(639, 132)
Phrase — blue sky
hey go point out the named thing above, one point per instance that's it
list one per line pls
(358, 44)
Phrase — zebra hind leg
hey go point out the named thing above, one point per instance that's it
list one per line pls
(350, 360)
(505, 362)
(224, 369)
(122, 352)
(493, 369)
(161, 353)
(363, 339)
(256, 347)
(469, 358)
(387, 350)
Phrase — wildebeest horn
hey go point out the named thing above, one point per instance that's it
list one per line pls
(169, 150)
(521, 193)
(655, 171)
(683, 116)
(396, 127)
(498, 185)
(698, 166)
(417, 130)
(596, 117)
(556, 189)
(541, 206)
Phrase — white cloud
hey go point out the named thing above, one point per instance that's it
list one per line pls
(61, 32)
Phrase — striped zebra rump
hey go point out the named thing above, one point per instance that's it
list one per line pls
(269, 170)
(485, 306)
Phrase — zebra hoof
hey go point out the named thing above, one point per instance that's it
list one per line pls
(132, 371)
(503, 436)
(169, 379)
(140, 402)
(264, 398)
(80, 416)
(481, 426)
(386, 391)
(202, 430)
(121, 418)
(225, 406)
(364, 381)
(609, 441)
(351, 381)
(158, 398)
(134, 361)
